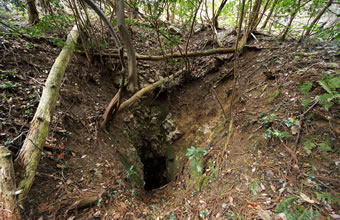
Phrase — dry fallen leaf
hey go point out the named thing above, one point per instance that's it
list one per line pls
(61, 156)
(306, 198)
(61, 166)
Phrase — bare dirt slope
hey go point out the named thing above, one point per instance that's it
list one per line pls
(249, 177)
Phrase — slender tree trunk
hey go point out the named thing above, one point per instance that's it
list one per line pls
(218, 13)
(172, 12)
(316, 19)
(285, 32)
(8, 204)
(213, 20)
(253, 17)
(261, 15)
(270, 14)
(132, 85)
(33, 15)
(29, 155)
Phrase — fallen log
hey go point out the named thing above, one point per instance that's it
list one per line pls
(30, 152)
(114, 53)
(173, 55)
(8, 208)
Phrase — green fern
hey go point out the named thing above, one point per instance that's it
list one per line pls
(283, 206)
(305, 88)
(306, 102)
(325, 145)
(325, 86)
(308, 144)
(326, 100)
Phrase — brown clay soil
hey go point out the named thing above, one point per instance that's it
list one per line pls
(246, 178)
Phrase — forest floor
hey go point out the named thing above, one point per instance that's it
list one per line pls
(278, 149)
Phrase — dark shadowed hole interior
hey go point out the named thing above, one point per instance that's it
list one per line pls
(155, 173)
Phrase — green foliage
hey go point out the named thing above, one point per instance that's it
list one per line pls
(283, 206)
(6, 76)
(297, 212)
(204, 213)
(325, 145)
(305, 88)
(269, 133)
(196, 155)
(274, 95)
(48, 24)
(131, 173)
(99, 201)
(326, 34)
(310, 142)
(306, 102)
(330, 83)
(324, 197)
(267, 122)
(254, 186)
(291, 122)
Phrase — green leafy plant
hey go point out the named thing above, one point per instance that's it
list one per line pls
(254, 187)
(274, 95)
(323, 142)
(324, 197)
(305, 88)
(308, 144)
(130, 172)
(330, 83)
(306, 102)
(204, 213)
(99, 201)
(196, 155)
(268, 133)
(267, 122)
(133, 192)
(296, 212)
(6, 76)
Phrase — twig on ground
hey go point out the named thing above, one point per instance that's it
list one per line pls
(301, 120)
(219, 102)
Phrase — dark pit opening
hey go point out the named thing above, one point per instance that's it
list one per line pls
(155, 173)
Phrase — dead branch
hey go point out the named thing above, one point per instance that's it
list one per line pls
(224, 50)
(30, 152)
(85, 202)
(138, 95)
(173, 55)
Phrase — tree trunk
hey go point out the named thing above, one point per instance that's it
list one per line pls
(30, 152)
(132, 85)
(33, 15)
(316, 19)
(218, 13)
(270, 14)
(285, 32)
(253, 17)
(8, 208)
(261, 15)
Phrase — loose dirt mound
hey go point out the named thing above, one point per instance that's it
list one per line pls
(248, 177)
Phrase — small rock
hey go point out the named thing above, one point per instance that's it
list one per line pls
(269, 174)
